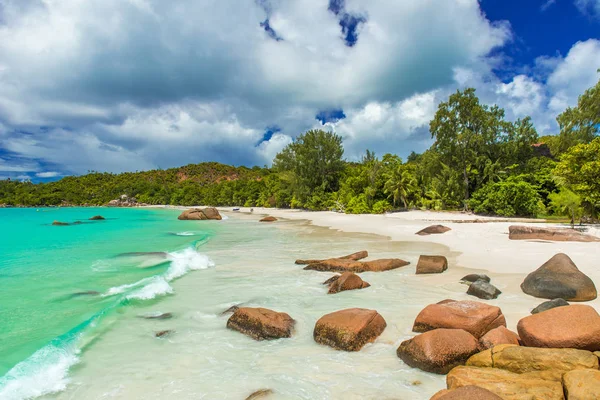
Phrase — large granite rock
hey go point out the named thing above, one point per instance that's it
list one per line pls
(582, 384)
(559, 278)
(339, 265)
(516, 232)
(496, 336)
(359, 255)
(507, 385)
(576, 327)
(483, 290)
(433, 230)
(519, 359)
(197, 214)
(349, 329)
(432, 265)
(261, 323)
(472, 316)
(466, 393)
(439, 350)
(347, 281)
(550, 304)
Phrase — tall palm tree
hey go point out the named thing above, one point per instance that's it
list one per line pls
(400, 184)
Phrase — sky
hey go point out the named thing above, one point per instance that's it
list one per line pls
(127, 85)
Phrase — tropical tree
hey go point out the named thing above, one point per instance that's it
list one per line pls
(567, 203)
(400, 184)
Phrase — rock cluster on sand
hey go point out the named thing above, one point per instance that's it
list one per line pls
(261, 323)
(550, 304)
(349, 329)
(346, 281)
(516, 232)
(359, 255)
(515, 373)
(268, 219)
(198, 214)
(344, 265)
(472, 316)
(431, 265)
(124, 201)
(559, 277)
(433, 230)
(575, 327)
(439, 350)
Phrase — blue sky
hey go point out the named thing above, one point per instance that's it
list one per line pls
(125, 85)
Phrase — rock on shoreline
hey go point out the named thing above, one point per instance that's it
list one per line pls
(200, 214)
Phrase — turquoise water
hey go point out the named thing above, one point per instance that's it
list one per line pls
(58, 281)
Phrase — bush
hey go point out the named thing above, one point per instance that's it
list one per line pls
(358, 205)
(508, 199)
(381, 207)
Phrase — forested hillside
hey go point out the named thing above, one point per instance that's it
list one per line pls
(479, 161)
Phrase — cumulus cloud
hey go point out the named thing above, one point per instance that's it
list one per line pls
(129, 85)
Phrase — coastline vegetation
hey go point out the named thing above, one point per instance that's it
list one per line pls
(479, 161)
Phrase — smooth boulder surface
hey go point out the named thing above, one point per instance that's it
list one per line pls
(475, 277)
(97, 218)
(359, 255)
(559, 277)
(433, 230)
(466, 393)
(472, 316)
(261, 323)
(550, 304)
(268, 219)
(516, 232)
(582, 384)
(520, 359)
(340, 265)
(576, 327)
(347, 281)
(499, 335)
(483, 290)
(197, 214)
(349, 329)
(508, 385)
(431, 265)
(439, 350)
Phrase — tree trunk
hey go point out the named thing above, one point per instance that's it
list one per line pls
(466, 176)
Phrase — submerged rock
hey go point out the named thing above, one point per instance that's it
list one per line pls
(158, 254)
(339, 265)
(483, 290)
(260, 394)
(468, 279)
(86, 293)
(516, 232)
(166, 315)
(59, 223)
(431, 265)
(359, 255)
(576, 327)
(472, 316)
(268, 219)
(232, 309)
(466, 393)
(349, 329)
(165, 333)
(197, 214)
(559, 277)
(97, 218)
(433, 229)
(347, 281)
(439, 350)
(261, 323)
(550, 304)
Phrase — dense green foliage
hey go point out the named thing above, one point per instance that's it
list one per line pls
(478, 161)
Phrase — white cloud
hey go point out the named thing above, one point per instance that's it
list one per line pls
(48, 174)
(591, 7)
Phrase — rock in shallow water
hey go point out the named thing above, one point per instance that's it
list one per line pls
(268, 219)
(359, 255)
(474, 277)
(260, 394)
(198, 214)
(559, 277)
(349, 329)
(164, 333)
(439, 350)
(483, 290)
(347, 281)
(339, 265)
(576, 326)
(97, 218)
(166, 315)
(548, 305)
(431, 265)
(474, 317)
(261, 323)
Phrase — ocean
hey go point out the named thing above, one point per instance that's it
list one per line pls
(76, 303)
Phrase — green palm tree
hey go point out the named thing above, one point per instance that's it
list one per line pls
(400, 184)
